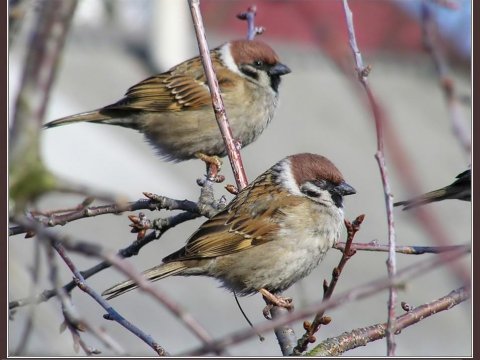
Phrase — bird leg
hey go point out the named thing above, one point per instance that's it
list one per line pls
(214, 164)
(274, 300)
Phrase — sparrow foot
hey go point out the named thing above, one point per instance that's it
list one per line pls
(214, 164)
(275, 300)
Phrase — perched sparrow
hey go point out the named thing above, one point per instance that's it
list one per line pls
(174, 109)
(460, 189)
(272, 234)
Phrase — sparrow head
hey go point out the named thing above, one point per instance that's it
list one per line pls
(254, 60)
(315, 177)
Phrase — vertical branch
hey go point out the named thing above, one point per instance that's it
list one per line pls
(379, 156)
(286, 337)
(445, 78)
(28, 176)
(35, 270)
(217, 101)
(249, 16)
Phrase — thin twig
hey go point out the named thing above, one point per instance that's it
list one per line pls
(112, 313)
(217, 101)
(406, 249)
(221, 116)
(96, 250)
(35, 271)
(249, 16)
(146, 286)
(154, 202)
(359, 292)
(91, 249)
(131, 250)
(206, 205)
(360, 337)
(445, 78)
(391, 261)
(73, 321)
(348, 252)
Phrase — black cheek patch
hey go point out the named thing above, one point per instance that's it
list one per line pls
(337, 200)
(274, 82)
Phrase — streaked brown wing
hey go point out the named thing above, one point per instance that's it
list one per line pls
(249, 220)
(181, 88)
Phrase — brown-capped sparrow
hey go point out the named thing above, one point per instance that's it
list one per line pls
(272, 234)
(174, 109)
(460, 189)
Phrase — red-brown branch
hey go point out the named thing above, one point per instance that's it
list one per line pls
(360, 337)
(217, 101)
(320, 319)
(378, 117)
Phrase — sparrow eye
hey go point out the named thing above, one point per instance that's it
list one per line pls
(258, 63)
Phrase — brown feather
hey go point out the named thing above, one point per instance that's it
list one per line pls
(181, 88)
(245, 223)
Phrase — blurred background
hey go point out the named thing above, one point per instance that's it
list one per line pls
(115, 44)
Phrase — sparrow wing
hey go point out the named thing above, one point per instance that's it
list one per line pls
(249, 220)
(183, 87)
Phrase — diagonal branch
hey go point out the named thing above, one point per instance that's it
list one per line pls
(320, 319)
(359, 292)
(360, 337)
(217, 101)
(378, 116)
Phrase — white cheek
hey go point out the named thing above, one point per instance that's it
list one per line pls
(287, 179)
(227, 59)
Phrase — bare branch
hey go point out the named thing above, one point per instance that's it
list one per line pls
(162, 226)
(81, 283)
(360, 292)
(249, 16)
(73, 321)
(407, 249)
(25, 336)
(154, 202)
(360, 337)
(391, 261)
(320, 319)
(217, 101)
(29, 178)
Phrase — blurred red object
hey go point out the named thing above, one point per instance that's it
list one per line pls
(380, 25)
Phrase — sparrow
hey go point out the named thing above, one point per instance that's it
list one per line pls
(460, 189)
(272, 234)
(174, 109)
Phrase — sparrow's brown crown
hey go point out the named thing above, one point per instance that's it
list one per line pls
(248, 51)
(308, 167)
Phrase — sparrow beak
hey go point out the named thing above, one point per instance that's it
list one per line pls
(279, 69)
(344, 189)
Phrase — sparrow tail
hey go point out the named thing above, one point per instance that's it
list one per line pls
(156, 273)
(91, 116)
(117, 117)
(432, 196)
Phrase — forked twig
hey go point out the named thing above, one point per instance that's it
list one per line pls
(320, 319)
